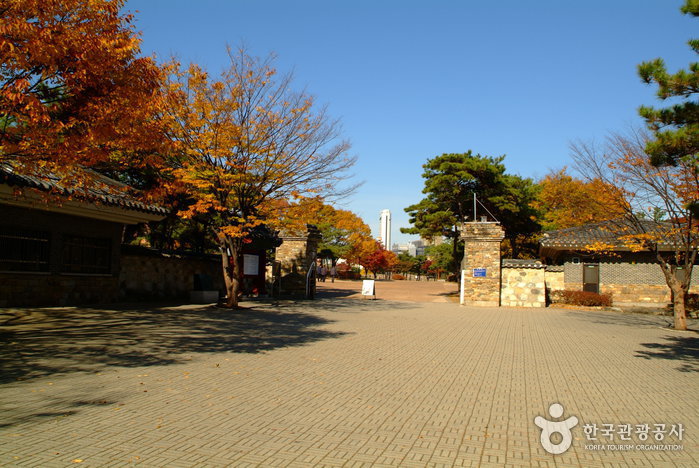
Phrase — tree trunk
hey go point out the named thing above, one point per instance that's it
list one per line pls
(679, 292)
(678, 304)
(514, 247)
(231, 271)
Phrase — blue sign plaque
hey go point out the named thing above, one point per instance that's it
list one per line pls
(479, 272)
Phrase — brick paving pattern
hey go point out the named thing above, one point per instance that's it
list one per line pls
(337, 382)
(403, 291)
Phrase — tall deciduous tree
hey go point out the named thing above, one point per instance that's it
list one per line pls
(341, 230)
(361, 250)
(563, 201)
(675, 128)
(450, 183)
(247, 149)
(73, 89)
(380, 260)
(647, 189)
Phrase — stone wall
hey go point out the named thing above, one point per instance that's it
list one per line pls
(573, 274)
(523, 287)
(554, 278)
(630, 293)
(631, 273)
(626, 280)
(148, 274)
(481, 255)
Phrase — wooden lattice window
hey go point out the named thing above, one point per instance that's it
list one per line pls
(86, 255)
(24, 249)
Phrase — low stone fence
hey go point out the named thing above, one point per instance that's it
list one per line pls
(523, 283)
(149, 274)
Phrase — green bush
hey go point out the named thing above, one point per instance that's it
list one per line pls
(580, 298)
(348, 274)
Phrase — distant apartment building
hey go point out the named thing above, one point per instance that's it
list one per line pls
(385, 228)
(413, 248)
(416, 247)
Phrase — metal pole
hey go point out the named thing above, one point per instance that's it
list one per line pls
(475, 218)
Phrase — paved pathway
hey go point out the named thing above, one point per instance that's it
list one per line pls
(338, 382)
(404, 291)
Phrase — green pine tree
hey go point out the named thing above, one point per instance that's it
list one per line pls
(675, 128)
(450, 182)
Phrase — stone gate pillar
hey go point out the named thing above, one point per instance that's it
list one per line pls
(295, 255)
(481, 263)
(298, 250)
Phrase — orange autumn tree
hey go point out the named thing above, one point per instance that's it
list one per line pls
(564, 201)
(73, 89)
(341, 230)
(344, 234)
(246, 149)
(363, 251)
(658, 217)
(380, 260)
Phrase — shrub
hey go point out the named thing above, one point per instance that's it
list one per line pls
(691, 302)
(398, 276)
(580, 298)
(348, 274)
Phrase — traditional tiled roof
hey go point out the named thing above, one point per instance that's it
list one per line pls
(518, 263)
(606, 232)
(101, 189)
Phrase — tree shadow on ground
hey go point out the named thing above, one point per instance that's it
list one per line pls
(45, 409)
(326, 292)
(345, 304)
(448, 294)
(41, 342)
(684, 349)
(621, 318)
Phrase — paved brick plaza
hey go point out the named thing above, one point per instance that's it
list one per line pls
(338, 382)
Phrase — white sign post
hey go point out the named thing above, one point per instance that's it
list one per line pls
(369, 288)
(461, 288)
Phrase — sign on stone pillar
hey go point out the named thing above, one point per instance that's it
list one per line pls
(481, 264)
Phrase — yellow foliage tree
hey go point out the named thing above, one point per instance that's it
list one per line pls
(248, 151)
(342, 231)
(658, 217)
(563, 201)
(73, 89)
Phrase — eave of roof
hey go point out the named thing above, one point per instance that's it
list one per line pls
(520, 263)
(101, 211)
(104, 191)
(605, 232)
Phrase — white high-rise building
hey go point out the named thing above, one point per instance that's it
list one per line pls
(385, 228)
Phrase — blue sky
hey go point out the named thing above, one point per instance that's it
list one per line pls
(411, 80)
